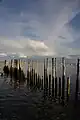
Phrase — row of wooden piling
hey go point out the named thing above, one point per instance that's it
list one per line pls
(53, 86)
(14, 72)
(59, 93)
(77, 82)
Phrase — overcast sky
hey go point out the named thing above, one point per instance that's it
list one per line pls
(40, 27)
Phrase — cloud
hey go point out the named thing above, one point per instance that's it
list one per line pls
(22, 29)
(24, 47)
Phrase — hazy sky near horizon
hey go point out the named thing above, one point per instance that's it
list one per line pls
(40, 27)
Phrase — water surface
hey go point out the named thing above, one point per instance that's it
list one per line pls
(20, 102)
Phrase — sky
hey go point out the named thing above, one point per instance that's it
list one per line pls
(39, 27)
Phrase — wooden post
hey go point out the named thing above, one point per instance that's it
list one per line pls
(55, 80)
(56, 87)
(28, 74)
(15, 70)
(77, 83)
(36, 79)
(59, 89)
(11, 72)
(38, 82)
(19, 72)
(53, 77)
(53, 86)
(11, 62)
(68, 88)
(49, 85)
(5, 63)
(55, 68)
(46, 77)
(63, 80)
(42, 83)
(34, 76)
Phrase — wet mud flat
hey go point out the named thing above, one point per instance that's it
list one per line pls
(23, 103)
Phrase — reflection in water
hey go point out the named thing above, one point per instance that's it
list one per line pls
(33, 103)
(10, 82)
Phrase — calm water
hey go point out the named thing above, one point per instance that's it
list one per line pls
(19, 102)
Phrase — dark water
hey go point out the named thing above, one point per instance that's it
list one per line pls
(19, 102)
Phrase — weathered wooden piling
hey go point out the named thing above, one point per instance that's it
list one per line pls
(46, 76)
(42, 83)
(34, 76)
(77, 83)
(28, 74)
(36, 79)
(59, 89)
(30, 77)
(4, 69)
(63, 80)
(11, 62)
(44, 80)
(29, 70)
(56, 87)
(19, 71)
(11, 70)
(5, 62)
(55, 68)
(53, 77)
(49, 85)
(68, 88)
(15, 70)
(53, 86)
(27, 77)
(46, 85)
